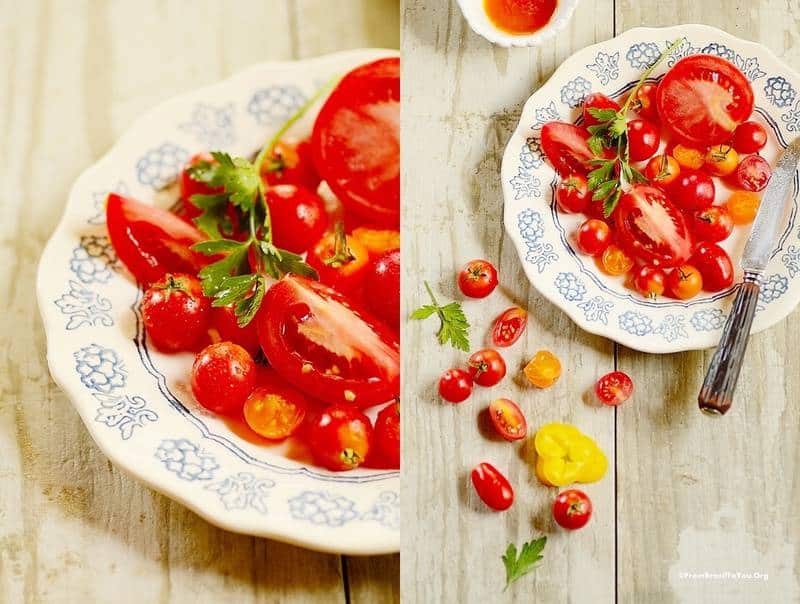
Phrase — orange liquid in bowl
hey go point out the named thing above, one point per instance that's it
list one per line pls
(519, 17)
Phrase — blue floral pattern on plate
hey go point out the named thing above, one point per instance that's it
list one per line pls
(386, 510)
(243, 490)
(100, 369)
(575, 91)
(275, 104)
(211, 125)
(319, 507)
(160, 166)
(123, 412)
(531, 226)
(83, 307)
(605, 67)
(643, 54)
(779, 91)
(186, 460)
(99, 201)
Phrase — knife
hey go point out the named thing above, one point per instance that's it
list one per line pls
(716, 395)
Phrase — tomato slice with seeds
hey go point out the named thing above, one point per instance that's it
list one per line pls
(651, 228)
(703, 98)
(509, 326)
(275, 411)
(150, 241)
(508, 419)
(753, 173)
(317, 340)
(356, 141)
(566, 148)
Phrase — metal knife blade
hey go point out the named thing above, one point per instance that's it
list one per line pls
(771, 213)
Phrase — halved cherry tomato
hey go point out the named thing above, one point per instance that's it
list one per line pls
(643, 139)
(318, 341)
(543, 370)
(189, 186)
(644, 102)
(662, 170)
(223, 376)
(721, 160)
(615, 261)
(175, 312)
(693, 190)
(593, 237)
(703, 98)
(596, 100)
(614, 388)
(275, 412)
(649, 281)
(291, 162)
(684, 282)
(753, 173)
(152, 242)
(386, 439)
(508, 419)
(341, 261)
(486, 367)
(651, 228)
(340, 438)
(689, 157)
(743, 206)
(749, 137)
(455, 385)
(477, 279)
(298, 217)
(377, 241)
(226, 324)
(566, 148)
(572, 194)
(714, 265)
(712, 224)
(356, 141)
(572, 509)
(509, 326)
(492, 487)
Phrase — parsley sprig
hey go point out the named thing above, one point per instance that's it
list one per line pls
(611, 133)
(520, 565)
(454, 326)
(231, 279)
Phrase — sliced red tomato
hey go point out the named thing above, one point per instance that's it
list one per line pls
(509, 326)
(356, 141)
(651, 228)
(152, 242)
(318, 341)
(566, 148)
(703, 98)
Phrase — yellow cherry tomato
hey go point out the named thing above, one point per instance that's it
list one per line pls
(595, 468)
(689, 157)
(742, 206)
(721, 160)
(615, 261)
(543, 369)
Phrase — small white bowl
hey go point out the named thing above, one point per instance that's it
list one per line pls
(480, 23)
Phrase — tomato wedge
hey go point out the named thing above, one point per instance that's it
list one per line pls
(651, 228)
(151, 241)
(703, 98)
(356, 141)
(320, 343)
(566, 148)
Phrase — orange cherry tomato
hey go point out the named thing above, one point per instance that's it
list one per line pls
(508, 419)
(742, 206)
(340, 260)
(275, 412)
(721, 160)
(377, 241)
(684, 282)
(543, 370)
(662, 170)
(689, 157)
(615, 261)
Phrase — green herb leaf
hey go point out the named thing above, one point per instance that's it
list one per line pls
(610, 204)
(247, 308)
(602, 115)
(214, 220)
(519, 565)
(454, 326)
(214, 275)
(294, 264)
(423, 312)
(605, 189)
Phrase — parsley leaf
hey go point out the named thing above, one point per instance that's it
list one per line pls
(529, 555)
(454, 326)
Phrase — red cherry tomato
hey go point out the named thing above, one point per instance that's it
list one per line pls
(651, 228)
(649, 281)
(572, 194)
(226, 323)
(340, 438)
(356, 141)
(509, 326)
(189, 186)
(175, 312)
(387, 435)
(644, 102)
(749, 137)
(152, 242)
(223, 376)
(341, 261)
(455, 385)
(508, 419)
(702, 100)
(477, 279)
(492, 487)
(275, 411)
(753, 173)
(662, 170)
(715, 266)
(693, 190)
(596, 100)
(291, 163)
(572, 509)
(566, 148)
(614, 388)
(593, 237)
(486, 367)
(325, 346)
(298, 217)
(643, 139)
(383, 284)
(712, 224)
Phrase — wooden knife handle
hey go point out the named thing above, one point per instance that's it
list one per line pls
(716, 395)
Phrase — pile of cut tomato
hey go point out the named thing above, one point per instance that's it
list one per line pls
(663, 176)
(282, 276)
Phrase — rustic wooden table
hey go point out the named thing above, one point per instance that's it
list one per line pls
(684, 493)
(76, 74)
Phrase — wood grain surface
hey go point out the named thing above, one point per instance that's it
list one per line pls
(75, 75)
(684, 493)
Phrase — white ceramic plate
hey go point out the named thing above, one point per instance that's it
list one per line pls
(543, 237)
(135, 401)
(475, 15)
